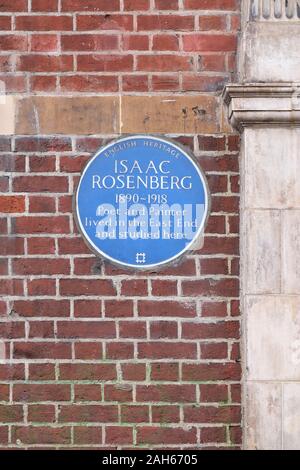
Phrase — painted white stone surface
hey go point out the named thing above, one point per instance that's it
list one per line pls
(273, 337)
(272, 168)
(291, 416)
(291, 251)
(263, 416)
(271, 52)
(265, 108)
(262, 254)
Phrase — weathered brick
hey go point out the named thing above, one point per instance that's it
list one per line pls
(11, 287)
(165, 82)
(42, 350)
(104, 63)
(166, 393)
(105, 22)
(45, 63)
(12, 204)
(214, 350)
(198, 330)
(11, 413)
(210, 393)
(89, 83)
(72, 246)
(132, 329)
(90, 5)
(134, 372)
(206, 372)
(149, 308)
(211, 4)
(8, 163)
(16, 5)
(114, 308)
(40, 246)
(3, 266)
(134, 287)
(41, 83)
(119, 393)
(12, 42)
(158, 435)
(4, 392)
(165, 22)
(166, 4)
(39, 184)
(41, 329)
(164, 63)
(119, 350)
(164, 288)
(5, 23)
(40, 372)
(211, 287)
(12, 329)
(134, 83)
(43, 144)
(88, 392)
(41, 413)
(87, 435)
(11, 246)
(212, 23)
(42, 308)
(10, 372)
(165, 414)
(136, 5)
(42, 435)
(41, 392)
(209, 414)
(84, 329)
(88, 350)
(88, 414)
(162, 350)
(163, 329)
(89, 42)
(119, 435)
(161, 371)
(214, 266)
(4, 435)
(41, 204)
(136, 42)
(196, 82)
(79, 287)
(40, 266)
(87, 371)
(165, 42)
(44, 23)
(44, 5)
(44, 42)
(213, 434)
(87, 308)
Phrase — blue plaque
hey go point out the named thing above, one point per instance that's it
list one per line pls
(142, 202)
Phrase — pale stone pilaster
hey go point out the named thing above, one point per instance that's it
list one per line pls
(265, 108)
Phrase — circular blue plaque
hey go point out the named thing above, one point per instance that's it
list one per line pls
(142, 201)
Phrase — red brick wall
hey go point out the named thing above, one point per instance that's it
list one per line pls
(93, 356)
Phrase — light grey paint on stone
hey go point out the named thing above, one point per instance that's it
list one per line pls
(273, 337)
(291, 416)
(263, 416)
(262, 251)
(291, 251)
(272, 168)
